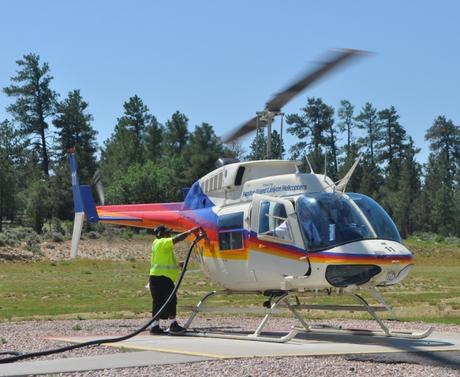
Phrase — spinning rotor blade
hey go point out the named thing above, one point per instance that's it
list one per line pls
(244, 129)
(335, 58)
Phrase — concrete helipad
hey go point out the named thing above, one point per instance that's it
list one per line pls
(304, 344)
(169, 349)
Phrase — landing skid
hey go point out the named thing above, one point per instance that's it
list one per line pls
(276, 306)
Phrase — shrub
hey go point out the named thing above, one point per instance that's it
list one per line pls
(127, 234)
(9, 238)
(33, 246)
(56, 226)
(439, 238)
(57, 237)
(93, 235)
(452, 240)
(33, 237)
(68, 227)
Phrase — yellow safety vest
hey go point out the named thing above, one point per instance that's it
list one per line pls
(163, 261)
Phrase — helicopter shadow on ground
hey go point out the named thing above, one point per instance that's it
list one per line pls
(412, 351)
(406, 350)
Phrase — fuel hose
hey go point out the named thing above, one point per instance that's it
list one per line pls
(22, 356)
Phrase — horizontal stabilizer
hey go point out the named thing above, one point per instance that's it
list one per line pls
(91, 211)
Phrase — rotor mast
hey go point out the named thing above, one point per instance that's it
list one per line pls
(273, 107)
(266, 118)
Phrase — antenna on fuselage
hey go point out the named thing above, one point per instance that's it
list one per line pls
(325, 166)
(309, 165)
(341, 184)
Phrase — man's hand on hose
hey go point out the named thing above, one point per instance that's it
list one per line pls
(201, 234)
(196, 231)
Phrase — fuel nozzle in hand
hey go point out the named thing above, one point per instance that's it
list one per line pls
(200, 233)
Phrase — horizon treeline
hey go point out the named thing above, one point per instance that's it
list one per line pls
(146, 161)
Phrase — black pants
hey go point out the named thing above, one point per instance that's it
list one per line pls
(160, 289)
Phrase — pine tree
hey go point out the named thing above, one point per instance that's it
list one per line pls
(11, 147)
(203, 149)
(73, 129)
(153, 140)
(442, 168)
(404, 199)
(117, 154)
(346, 124)
(128, 143)
(393, 137)
(258, 147)
(35, 103)
(368, 121)
(73, 125)
(37, 199)
(310, 128)
(333, 150)
(176, 134)
(444, 138)
(136, 120)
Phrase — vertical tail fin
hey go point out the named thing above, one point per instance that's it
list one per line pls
(77, 201)
(77, 204)
(83, 204)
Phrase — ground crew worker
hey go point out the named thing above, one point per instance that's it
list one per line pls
(164, 271)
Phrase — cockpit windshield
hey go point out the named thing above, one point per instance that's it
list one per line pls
(329, 219)
(380, 220)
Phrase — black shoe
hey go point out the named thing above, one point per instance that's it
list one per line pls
(175, 329)
(156, 330)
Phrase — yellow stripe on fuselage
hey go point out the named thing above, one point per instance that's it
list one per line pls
(243, 254)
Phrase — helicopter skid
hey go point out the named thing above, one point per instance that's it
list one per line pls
(323, 329)
(286, 338)
(280, 303)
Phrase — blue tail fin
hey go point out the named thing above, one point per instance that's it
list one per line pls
(83, 200)
(77, 201)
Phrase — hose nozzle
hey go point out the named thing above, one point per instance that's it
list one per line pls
(202, 234)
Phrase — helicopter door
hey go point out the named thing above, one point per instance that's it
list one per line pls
(274, 220)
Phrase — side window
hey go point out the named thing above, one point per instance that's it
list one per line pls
(230, 228)
(273, 220)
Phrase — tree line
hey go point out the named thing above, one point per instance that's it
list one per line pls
(146, 161)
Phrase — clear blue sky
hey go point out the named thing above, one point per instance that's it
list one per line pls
(219, 62)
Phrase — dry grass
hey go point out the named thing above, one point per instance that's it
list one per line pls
(53, 288)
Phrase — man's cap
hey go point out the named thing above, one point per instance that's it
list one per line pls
(161, 229)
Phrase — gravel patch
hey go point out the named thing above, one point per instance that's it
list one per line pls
(277, 367)
(29, 336)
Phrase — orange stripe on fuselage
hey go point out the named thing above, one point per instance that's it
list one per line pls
(212, 251)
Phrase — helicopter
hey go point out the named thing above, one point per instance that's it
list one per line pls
(275, 231)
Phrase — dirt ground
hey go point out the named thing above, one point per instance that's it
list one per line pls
(118, 249)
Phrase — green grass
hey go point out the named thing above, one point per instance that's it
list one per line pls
(48, 289)
(108, 289)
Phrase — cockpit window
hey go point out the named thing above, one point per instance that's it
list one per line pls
(273, 221)
(329, 219)
(376, 215)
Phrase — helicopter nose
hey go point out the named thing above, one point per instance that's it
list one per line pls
(345, 275)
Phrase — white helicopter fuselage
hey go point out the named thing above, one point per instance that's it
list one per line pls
(258, 241)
